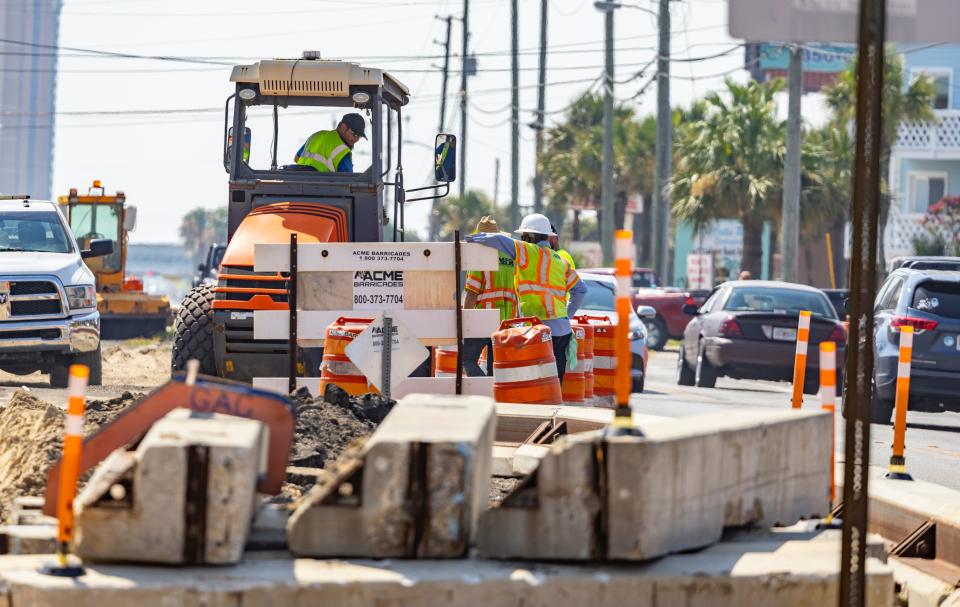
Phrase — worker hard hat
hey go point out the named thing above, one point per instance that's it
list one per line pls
(535, 223)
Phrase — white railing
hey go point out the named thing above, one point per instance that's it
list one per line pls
(941, 134)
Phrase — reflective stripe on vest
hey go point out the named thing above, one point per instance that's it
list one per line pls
(323, 151)
(497, 290)
(541, 281)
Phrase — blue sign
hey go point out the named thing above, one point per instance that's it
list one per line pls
(817, 57)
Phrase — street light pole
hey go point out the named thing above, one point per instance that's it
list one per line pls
(606, 197)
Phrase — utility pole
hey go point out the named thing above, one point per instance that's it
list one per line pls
(434, 228)
(789, 228)
(606, 197)
(514, 116)
(496, 182)
(541, 110)
(663, 151)
(464, 59)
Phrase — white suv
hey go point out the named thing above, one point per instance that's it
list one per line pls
(48, 298)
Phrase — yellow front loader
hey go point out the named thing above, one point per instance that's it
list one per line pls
(125, 309)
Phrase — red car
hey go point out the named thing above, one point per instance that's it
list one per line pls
(667, 301)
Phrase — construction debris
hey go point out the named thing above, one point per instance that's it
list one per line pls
(32, 431)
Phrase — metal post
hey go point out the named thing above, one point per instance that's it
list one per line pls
(541, 110)
(790, 226)
(459, 288)
(463, 98)
(663, 147)
(606, 198)
(386, 355)
(292, 305)
(514, 116)
(496, 182)
(863, 289)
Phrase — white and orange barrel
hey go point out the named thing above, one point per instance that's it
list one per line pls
(604, 353)
(445, 361)
(336, 368)
(588, 377)
(524, 368)
(573, 387)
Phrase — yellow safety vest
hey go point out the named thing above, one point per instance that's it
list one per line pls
(496, 289)
(323, 151)
(543, 279)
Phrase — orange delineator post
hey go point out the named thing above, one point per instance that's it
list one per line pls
(623, 271)
(828, 402)
(800, 360)
(898, 463)
(72, 449)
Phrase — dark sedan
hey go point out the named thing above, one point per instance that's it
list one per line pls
(748, 330)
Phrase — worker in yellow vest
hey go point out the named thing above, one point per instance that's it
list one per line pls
(493, 290)
(332, 151)
(555, 245)
(547, 286)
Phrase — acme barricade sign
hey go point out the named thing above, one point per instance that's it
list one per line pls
(416, 282)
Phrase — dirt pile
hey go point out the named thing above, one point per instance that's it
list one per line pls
(129, 364)
(327, 426)
(31, 439)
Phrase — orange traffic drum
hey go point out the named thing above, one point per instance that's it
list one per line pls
(336, 368)
(445, 358)
(524, 368)
(604, 356)
(574, 387)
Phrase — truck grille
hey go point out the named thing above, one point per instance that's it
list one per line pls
(33, 299)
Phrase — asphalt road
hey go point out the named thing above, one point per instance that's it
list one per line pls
(932, 439)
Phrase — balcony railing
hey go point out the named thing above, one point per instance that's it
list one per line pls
(940, 135)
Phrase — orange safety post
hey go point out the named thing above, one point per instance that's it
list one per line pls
(623, 270)
(897, 469)
(828, 402)
(70, 471)
(800, 359)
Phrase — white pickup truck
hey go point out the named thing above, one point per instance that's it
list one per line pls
(48, 301)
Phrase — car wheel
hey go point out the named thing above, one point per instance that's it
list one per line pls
(636, 384)
(705, 374)
(811, 385)
(685, 375)
(60, 373)
(656, 333)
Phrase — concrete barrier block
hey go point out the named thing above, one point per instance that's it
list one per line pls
(628, 498)
(152, 504)
(415, 488)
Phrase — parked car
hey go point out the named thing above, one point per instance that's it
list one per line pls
(600, 300)
(926, 262)
(48, 298)
(208, 271)
(928, 301)
(748, 330)
(669, 320)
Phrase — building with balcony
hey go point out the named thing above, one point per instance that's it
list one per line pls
(925, 160)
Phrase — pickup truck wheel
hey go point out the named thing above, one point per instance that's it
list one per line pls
(60, 374)
(636, 384)
(685, 376)
(656, 333)
(706, 375)
(193, 331)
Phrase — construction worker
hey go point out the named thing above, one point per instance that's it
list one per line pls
(332, 151)
(555, 245)
(494, 290)
(548, 287)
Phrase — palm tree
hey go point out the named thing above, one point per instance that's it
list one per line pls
(730, 163)
(201, 227)
(900, 103)
(455, 213)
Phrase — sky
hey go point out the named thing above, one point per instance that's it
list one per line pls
(124, 121)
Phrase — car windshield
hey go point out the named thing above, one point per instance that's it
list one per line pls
(33, 231)
(643, 279)
(599, 296)
(778, 301)
(940, 298)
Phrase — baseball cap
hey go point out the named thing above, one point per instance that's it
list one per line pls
(356, 124)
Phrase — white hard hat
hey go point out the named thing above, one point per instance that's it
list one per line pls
(535, 223)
